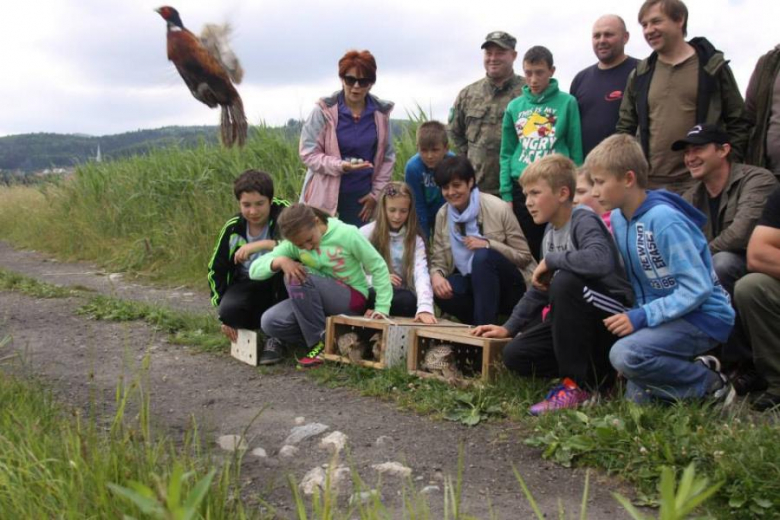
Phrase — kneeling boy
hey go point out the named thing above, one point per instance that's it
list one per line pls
(244, 238)
(581, 276)
(682, 311)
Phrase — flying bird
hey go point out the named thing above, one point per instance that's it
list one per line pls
(209, 68)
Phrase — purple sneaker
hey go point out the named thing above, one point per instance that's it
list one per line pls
(565, 395)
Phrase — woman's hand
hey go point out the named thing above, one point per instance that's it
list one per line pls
(426, 318)
(490, 331)
(396, 280)
(292, 269)
(369, 203)
(347, 166)
(374, 315)
(473, 243)
(441, 286)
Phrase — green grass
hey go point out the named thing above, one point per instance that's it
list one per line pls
(10, 281)
(59, 463)
(156, 214)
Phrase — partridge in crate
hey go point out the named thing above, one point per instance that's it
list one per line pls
(440, 361)
(355, 349)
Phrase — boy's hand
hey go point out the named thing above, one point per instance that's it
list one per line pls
(473, 243)
(619, 325)
(395, 280)
(230, 332)
(247, 250)
(441, 286)
(425, 317)
(292, 269)
(374, 315)
(491, 331)
(541, 277)
(369, 203)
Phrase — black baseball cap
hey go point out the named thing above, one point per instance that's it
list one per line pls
(702, 134)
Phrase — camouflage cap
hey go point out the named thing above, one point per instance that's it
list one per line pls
(502, 39)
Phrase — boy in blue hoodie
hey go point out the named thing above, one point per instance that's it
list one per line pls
(681, 309)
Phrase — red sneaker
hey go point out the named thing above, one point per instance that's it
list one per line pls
(314, 357)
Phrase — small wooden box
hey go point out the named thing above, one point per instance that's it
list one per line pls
(395, 337)
(476, 357)
(245, 347)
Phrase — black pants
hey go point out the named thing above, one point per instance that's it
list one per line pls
(573, 341)
(533, 232)
(494, 287)
(245, 301)
(404, 303)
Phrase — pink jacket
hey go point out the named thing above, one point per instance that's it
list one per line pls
(319, 151)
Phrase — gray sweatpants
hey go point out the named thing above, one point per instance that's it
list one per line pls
(301, 318)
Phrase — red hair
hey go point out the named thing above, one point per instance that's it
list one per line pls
(363, 61)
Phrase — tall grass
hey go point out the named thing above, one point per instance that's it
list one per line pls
(66, 465)
(156, 214)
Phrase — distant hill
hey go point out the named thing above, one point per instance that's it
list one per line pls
(32, 152)
(39, 151)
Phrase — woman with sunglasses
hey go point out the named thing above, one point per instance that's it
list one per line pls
(347, 145)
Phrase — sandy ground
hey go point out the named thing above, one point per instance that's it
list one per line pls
(83, 360)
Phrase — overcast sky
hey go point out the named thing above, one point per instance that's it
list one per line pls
(100, 67)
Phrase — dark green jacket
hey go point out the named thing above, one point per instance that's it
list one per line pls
(758, 103)
(741, 203)
(719, 100)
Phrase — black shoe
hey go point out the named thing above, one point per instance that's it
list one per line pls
(721, 392)
(746, 381)
(766, 402)
(272, 353)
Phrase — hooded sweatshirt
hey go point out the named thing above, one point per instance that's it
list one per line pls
(536, 125)
(343, 254)
(670, 268)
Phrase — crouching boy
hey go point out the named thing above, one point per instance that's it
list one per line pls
(240, 301)
(581, 277)
(681, 310)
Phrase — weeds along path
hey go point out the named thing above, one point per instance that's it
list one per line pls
(83, 360)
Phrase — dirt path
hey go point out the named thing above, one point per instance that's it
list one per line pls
(83, 361)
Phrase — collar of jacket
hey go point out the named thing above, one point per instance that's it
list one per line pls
(712, 58)
(513, 81)
(382, 105)
(545, 96)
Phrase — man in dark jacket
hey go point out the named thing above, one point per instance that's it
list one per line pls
(241, 302)
(679, 85)
(763, 109)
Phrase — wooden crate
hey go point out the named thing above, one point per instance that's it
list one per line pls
(476, 357)
(395, 333)
(245, 347)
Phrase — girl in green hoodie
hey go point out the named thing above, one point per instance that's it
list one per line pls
(324, 263)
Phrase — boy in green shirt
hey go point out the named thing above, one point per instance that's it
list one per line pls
(542, 121)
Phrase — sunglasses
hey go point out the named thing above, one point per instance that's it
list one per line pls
(362, 82)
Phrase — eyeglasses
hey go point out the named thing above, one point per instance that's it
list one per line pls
(362, 82)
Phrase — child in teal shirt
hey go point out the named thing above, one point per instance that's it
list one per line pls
(542, 121)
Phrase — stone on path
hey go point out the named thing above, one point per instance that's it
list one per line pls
(232, 442)
(314, 481)
(334, 442)
(300, 420)
(383, 441)
(393, 468)
(430, 489)
(259, 452)
(364, 497)
(301, 433)
(288, 451)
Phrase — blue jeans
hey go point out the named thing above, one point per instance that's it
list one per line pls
(729, 267)
(658, 362)
(494, 286)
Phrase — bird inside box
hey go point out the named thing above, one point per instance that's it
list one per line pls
(352, 346)
(209, 68)
(440, 361)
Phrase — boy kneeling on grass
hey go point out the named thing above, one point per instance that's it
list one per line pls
(682, 311)
(581, 276)
(243, 239)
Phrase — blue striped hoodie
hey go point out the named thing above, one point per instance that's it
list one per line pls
(670, 268)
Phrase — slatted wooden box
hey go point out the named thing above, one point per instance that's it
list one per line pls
(476, 357)
(395, 337)
(245, 348)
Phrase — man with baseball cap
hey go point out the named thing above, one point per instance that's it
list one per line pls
(732, 196)
(475, 118)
